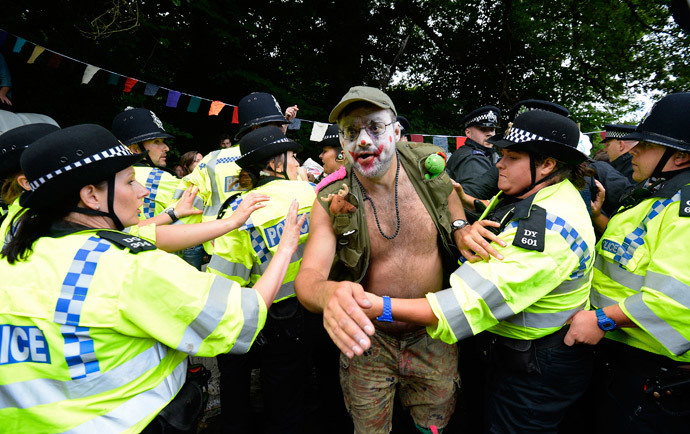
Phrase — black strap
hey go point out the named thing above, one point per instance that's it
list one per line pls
(226, 204)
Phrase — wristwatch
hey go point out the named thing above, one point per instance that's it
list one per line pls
(171, 212)
(605, 323)
(458, 224)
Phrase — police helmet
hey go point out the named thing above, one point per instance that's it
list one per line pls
(258, 108)
(135, 125)
(666, 123)
(15, 141)
(527, 105)
(331, 137)
(486, 116)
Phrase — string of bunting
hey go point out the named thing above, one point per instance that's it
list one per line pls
(114, 78)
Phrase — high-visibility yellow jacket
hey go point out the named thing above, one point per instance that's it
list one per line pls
(530, 293)
(162, 187)
(642, 266)
(244, 254)
(215, 177)
(94, 338)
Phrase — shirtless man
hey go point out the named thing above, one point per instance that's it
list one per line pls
(397, 243)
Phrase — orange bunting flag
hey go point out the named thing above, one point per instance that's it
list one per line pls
(460, 141)
(234, 116)
(216, 107)
(129, 84)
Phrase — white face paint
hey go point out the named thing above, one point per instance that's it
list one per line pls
(370, 155)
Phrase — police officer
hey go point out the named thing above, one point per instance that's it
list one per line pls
(96, 325)
(331, 154)
(142, 131)
(467, 164)
(268, 167)
(640, 285)
(12, 145)
(216, 175)
(618, 149)
(524, 300)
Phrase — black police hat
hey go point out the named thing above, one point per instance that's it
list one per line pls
(331, 137)
(66, 160)
(545, 133)
(258, 108)
(667, 123)
(617, 131)
(135, 125)
(13, 143)
(261, 144)
(527, 105)
(404, 125)
(486, 116)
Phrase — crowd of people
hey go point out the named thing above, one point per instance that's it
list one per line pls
(521, 287)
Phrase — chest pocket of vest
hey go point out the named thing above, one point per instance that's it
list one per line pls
(347, 239)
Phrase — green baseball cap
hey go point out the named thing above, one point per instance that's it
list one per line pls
(362, 93)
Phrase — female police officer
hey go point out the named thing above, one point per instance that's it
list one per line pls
(95, 324)
(268, 167)
(524, 300)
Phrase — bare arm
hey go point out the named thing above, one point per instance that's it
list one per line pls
(172, 238)
(412, 310)
(269, 283)
(340, 302)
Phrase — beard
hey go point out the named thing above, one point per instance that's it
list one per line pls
(373, 162)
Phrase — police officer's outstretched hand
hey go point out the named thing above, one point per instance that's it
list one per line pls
(249, 204)
(185, 206)
(474, 241)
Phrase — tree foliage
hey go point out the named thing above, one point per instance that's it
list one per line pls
(438, 59)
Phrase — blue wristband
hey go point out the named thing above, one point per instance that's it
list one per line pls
(387, 311)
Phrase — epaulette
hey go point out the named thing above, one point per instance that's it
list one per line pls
(335, 176)
(531, 228)
(478, 152)
(684, 210)
(123, 240)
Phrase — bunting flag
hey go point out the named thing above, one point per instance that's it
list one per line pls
(151, 89)
(235, 119)
(114, 78)
(193, 105)
(460, 141)
(34, 55)
(19, 44)
(129, 84)
(173, 98)
(441, 142)
(89, 72)
(216, 107)
(417, 138)
(55, 60)
(318, 131)
(295, 124)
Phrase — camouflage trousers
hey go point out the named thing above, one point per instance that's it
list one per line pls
(422, 370)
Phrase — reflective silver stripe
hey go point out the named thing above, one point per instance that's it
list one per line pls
(657, 327)
(41, 391)
(454, 314)
(543, 320)
(209, 317)
(486, 290)
(571, 285)
(618, 274)
(213, 208)
(670, 286)
(250, 313)
(229, 268)
(286, 289)
(600, 300)
(198, 203)
(178, 193)
(138, 407)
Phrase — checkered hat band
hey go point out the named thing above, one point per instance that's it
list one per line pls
(283, 140)
(614, 134)
(516, 135)
(484, 117)
(117, 151)
(332, 136)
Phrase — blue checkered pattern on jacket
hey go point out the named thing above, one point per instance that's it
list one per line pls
(571, 236)
(226, 160)
(259, 245)
(79, 348)
(636, 238)
(152, 182)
